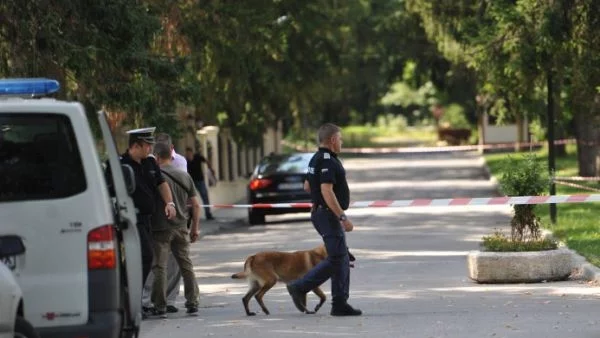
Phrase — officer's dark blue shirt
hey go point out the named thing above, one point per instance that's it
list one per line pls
(325, 167)
(147, 179)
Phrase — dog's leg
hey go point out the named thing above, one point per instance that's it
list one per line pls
(322, 298)
(259, 296)
(254, 287)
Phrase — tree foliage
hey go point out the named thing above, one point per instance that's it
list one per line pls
(247, 64)
(243, 65)
(518, 47)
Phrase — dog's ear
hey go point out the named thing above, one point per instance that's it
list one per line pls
(352, 258)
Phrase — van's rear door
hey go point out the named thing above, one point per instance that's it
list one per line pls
(125, 220)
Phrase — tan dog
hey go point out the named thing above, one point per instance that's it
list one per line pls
(264, 269)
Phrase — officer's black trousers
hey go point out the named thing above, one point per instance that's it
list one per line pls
(146, 246)
(337, 264)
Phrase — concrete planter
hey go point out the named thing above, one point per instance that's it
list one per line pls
(519, 267)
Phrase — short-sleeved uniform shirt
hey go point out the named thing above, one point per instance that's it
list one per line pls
(325, 167)
(182, 188)
(147, 179)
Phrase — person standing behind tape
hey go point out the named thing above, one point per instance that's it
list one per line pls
(177, 161)
(173, 272)
(171, 235)
(149, 185)
(194, 168)
(330, 195)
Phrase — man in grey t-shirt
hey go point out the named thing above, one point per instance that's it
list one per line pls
(173, 273)
(172, 235)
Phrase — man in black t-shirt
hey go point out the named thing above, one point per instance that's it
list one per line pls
(326, 182)
(149, 186)
(194, 167)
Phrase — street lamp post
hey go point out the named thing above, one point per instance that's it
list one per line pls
(551, 152)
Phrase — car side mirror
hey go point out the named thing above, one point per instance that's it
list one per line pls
(11, 246)
(129, 177)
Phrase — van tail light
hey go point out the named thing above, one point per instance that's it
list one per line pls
(102, 248)
(259, 183)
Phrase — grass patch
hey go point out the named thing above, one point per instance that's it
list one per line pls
(373, 137)
(577, 223)
(367, 136)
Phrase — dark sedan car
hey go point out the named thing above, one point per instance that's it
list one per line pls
(278, 179)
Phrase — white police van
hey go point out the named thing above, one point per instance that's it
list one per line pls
(80, 272)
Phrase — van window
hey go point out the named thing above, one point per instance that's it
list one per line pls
(39, 158)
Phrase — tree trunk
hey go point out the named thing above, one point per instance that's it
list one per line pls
(560, 150)
(586, 107)
(587, 126)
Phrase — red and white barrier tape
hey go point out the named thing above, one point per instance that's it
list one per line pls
(578, 178)
(416, 150)
(452, 148)
(507, 200)
(579, 186)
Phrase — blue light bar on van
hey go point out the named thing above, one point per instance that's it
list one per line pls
(20, 87)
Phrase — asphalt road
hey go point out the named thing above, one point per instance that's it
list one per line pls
(410, 278)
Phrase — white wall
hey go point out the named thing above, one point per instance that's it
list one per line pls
(228, 192)
(231, 191)
(503, 134)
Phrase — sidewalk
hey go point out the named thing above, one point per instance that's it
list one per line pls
(225, 219)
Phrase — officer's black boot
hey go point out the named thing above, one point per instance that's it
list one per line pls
(298, 297)
(344, 309)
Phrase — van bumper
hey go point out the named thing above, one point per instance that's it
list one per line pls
(99, 325)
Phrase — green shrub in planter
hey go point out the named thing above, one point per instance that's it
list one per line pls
(499, 242)
(522, 177)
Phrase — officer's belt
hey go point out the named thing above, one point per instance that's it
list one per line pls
(320, 206)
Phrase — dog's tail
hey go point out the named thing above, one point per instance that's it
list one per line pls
(239, 275)
(244, 274)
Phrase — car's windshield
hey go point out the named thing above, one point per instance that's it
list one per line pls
(289, 164)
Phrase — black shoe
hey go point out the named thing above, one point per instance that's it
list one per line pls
(148, 311)
(298, 297)
(191, 310)
(210, 218)
(161, 313)
(172, 309)
(345, 310)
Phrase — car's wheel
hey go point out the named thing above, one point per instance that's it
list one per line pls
(256, 217)
(24, 329)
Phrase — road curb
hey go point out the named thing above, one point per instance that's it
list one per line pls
(584, 269)
(488, 175)
(215, 227)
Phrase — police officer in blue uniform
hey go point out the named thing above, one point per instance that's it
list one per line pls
(326, 181)
(149, 186)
